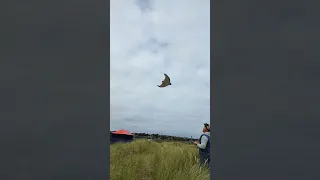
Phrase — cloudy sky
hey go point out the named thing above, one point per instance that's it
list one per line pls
(149, 38)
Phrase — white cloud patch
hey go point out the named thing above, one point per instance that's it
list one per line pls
(151, 37)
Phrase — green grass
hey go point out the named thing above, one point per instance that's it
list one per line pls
(144, 160)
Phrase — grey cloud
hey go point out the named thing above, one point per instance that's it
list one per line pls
(146, 45)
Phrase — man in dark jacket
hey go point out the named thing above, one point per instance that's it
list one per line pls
(204, 146)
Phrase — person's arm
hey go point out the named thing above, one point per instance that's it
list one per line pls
(203, 144)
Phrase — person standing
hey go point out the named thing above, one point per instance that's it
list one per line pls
(204, 146)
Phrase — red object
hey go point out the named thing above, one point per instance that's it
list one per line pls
(122, 131)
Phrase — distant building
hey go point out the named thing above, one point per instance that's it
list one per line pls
(121, 136)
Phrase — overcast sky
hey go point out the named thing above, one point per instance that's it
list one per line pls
(149, 38)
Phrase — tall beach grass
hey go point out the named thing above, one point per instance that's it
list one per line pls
(145, 160)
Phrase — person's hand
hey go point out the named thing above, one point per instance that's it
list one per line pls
(195, 143)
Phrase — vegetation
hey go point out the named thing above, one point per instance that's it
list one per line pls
(149, 160)
(162, 137)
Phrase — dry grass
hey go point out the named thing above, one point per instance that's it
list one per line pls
(144, 160)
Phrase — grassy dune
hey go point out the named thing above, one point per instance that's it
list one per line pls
(144, 160)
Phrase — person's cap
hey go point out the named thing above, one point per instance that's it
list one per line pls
(207, 126)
